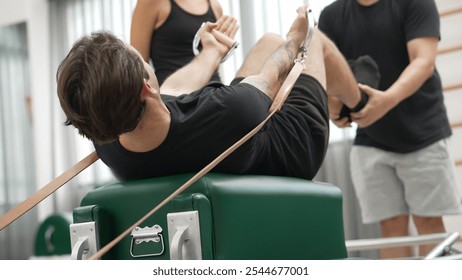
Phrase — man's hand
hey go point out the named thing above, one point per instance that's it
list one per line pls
(218, 36)
(228, 26)
(335, 106)
(378, 105)
(214, 38)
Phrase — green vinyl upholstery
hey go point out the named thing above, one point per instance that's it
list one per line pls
(241, 216)
(53, 237)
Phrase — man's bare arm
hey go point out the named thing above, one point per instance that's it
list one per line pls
(215, 38)
(422, 55)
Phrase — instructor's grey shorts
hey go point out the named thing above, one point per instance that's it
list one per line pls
(421, 183)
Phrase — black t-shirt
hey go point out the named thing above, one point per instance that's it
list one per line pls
(207, 122)
(382, 32)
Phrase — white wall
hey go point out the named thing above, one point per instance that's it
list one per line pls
(35, 14)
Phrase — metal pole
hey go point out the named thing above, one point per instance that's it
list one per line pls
(371, 244)
(442, 247)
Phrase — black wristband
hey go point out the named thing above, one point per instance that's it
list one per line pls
(345, 112)
(361, 103)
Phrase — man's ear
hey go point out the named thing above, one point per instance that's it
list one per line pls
(146, 90)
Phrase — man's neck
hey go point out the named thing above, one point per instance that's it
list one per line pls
(151, 131)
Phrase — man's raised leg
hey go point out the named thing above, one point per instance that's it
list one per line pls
(325, 63)
(257, 56)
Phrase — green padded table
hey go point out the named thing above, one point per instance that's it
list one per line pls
(240, 217)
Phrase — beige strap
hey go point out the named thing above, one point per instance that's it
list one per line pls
(287, 86)
(45, 191)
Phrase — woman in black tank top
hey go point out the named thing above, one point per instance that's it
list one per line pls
(163, 31)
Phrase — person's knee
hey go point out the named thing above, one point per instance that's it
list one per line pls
(272, 36)
(257, 56)
(270, 40)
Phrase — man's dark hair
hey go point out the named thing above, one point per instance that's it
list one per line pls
(99, 87)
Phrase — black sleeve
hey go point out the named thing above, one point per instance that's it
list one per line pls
(326, 23)
(421, 19)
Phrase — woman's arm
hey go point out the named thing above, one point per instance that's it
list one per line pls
(146, 16)
(217, 9)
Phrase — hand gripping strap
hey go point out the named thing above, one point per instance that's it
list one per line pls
(231, 44)
(345, 112)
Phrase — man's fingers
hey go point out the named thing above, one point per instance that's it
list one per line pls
(367, 89)
(342, 123)
(334, 116)
(225, 40)
(227, 25)
(234, 30)
(208, 26)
